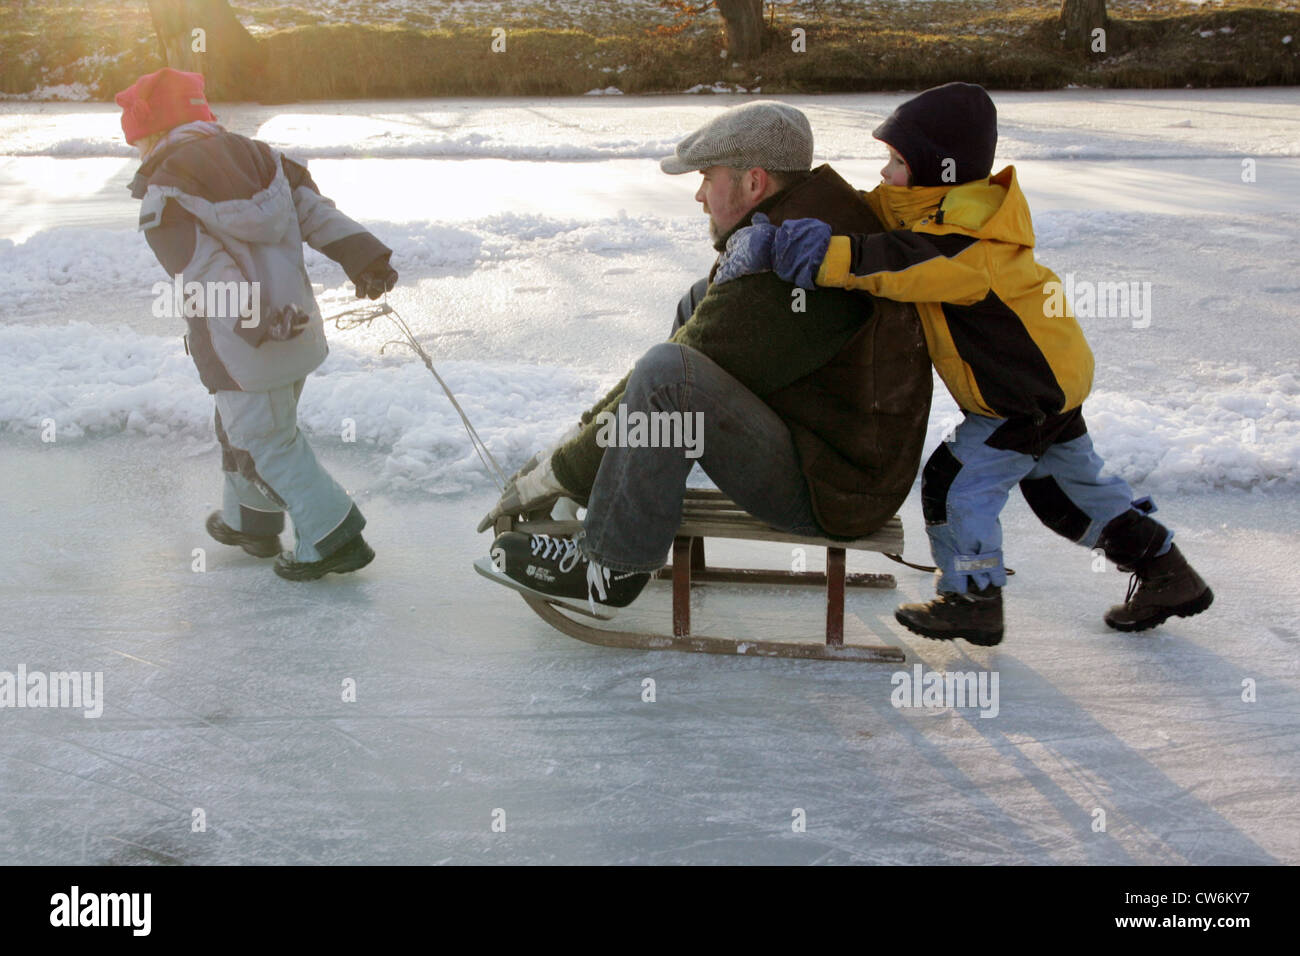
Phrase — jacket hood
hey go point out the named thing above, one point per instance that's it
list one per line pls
(989, 208)
(992, 208)
(224, 180)
(167, 144)
(262, 218)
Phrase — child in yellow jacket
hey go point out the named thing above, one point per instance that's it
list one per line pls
(1013, 357)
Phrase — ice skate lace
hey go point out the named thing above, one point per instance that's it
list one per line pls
(597, 578)
(564, 551)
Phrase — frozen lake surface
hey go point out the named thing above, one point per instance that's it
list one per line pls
(541, 252)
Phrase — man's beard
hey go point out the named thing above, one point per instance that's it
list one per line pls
(716, 232)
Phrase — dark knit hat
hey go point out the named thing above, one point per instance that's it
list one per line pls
(957, 122)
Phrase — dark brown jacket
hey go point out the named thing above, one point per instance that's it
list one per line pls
(849, 375)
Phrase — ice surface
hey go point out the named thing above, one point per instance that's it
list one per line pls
(223, 692)
(541, 252)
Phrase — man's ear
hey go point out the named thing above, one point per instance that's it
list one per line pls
(761, 185)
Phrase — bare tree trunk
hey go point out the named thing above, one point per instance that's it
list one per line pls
(1080, 18)
(221, 49)
(744, 21)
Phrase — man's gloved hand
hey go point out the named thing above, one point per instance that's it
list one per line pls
(570, 433)
(748, 251)
(534, 485)
(530, 491)
(798, 250)
(286, 322)
(375, 279)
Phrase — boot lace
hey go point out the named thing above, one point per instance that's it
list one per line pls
(1134, 582)
(563, 551)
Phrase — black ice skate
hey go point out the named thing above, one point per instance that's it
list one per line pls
(975, 616)
(555, 569)
(352, 556)
(259, 546)
(1159, 589)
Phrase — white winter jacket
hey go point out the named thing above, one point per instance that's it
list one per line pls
(217, 208)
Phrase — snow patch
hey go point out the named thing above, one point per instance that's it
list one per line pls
(1239, 427)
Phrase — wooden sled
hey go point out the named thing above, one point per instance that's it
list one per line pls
(708, 513)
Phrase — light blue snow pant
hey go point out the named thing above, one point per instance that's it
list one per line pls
(269, 469)
(965, 485)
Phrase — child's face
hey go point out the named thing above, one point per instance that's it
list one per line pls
(896, 172)
(145, 144)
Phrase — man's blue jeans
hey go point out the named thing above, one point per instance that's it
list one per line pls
(635, 506)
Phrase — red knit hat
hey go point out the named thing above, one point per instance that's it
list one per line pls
(159, 101)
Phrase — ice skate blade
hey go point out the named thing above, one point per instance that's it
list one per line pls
(484, 567)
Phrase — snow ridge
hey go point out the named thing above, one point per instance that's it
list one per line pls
(1240, 431)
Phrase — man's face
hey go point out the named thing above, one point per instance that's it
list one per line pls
(728, 199)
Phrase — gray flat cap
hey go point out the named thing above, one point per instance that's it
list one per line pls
(764, 133)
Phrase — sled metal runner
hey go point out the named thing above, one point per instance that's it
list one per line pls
(710, 514)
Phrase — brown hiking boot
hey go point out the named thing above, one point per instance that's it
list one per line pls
(1159, 589)
(352, 556)
(975, 616)
(259, 546)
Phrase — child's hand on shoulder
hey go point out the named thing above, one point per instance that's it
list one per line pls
(798, 250)
(748, 252)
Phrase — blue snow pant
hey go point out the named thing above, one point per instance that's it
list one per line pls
(269, 469)
(965, 485)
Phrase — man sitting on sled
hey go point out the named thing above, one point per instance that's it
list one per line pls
(811, 419)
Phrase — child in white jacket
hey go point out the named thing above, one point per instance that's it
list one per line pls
(226, 216)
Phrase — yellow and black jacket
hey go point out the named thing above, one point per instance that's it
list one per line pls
(995, 331)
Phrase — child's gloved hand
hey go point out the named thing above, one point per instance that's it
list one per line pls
(375, 279)
(798, 250)
(748, 251)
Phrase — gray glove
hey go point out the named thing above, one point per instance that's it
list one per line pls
(532, 487)
(537, 489)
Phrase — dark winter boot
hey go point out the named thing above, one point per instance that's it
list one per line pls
(352, 556)
(555, 568)
(975, 616)
(1159, 589)
(259, 546)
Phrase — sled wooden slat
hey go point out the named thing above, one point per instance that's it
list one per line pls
(887, 540)
(707, 575)
(707, 513)
(696, 644)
